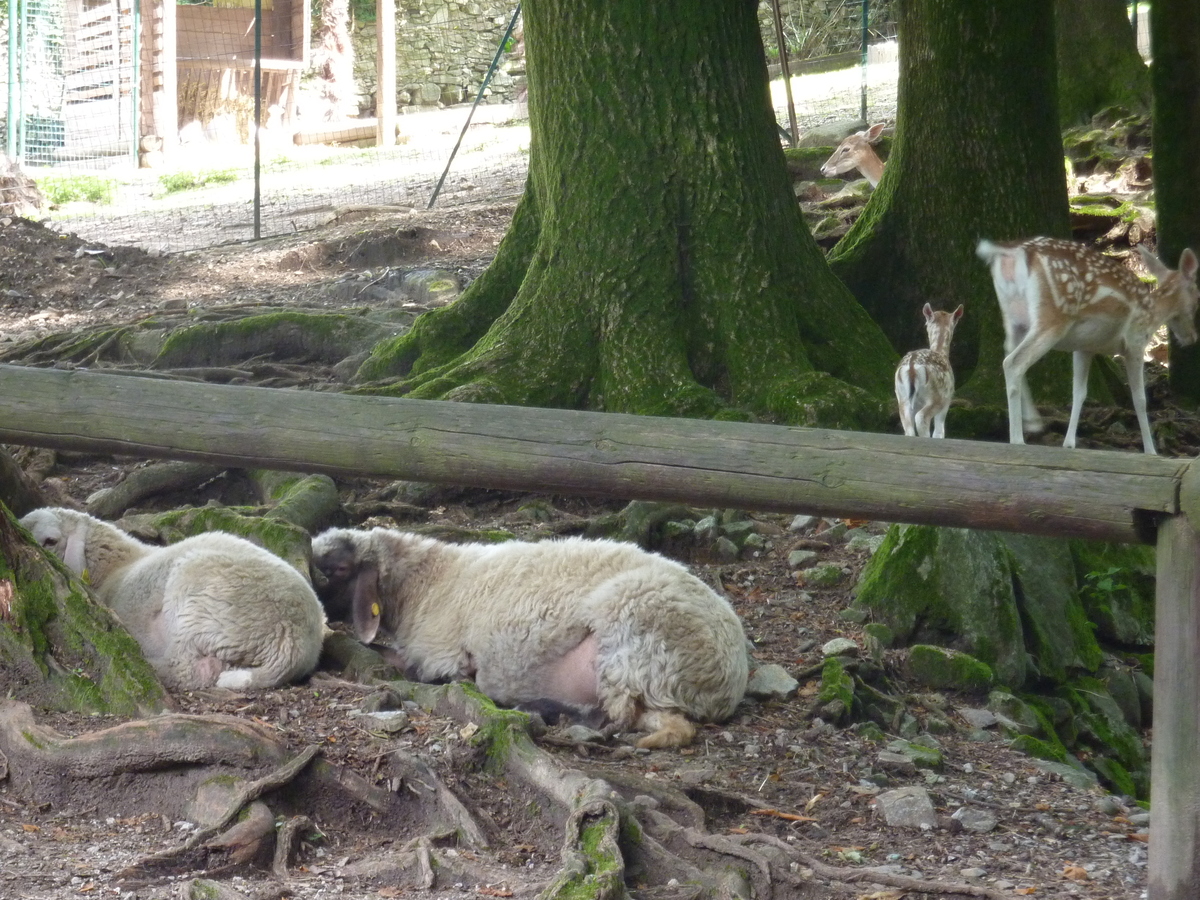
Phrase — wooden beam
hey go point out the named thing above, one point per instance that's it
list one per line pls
(1174, 869)
(385, 73)
(1092, 494)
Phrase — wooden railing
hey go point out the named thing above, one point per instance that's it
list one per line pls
(1100, 495)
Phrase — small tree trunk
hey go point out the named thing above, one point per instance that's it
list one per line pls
(1175, 33)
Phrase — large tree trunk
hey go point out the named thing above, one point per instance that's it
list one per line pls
(1098, 60)
(977, 154)
(1175, 38)
(657, 262)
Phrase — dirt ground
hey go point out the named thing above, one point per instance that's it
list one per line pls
(775, 769)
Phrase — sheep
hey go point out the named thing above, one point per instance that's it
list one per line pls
(574, 624)
(212, 609)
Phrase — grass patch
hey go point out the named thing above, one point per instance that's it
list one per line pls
(175, 182)
(60, 189)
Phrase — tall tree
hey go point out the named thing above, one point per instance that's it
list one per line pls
(977, 153)
(1098, 60)
(1175, 42)
(657, 262)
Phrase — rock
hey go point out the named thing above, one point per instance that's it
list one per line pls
(979, 821)
(823, 576)
(922, 757)
(907, 807)
(771, 682)
(1076, 777)
(941, 667)
(798, 559)
(891, 761)
(977, 718)
(802, 523)
(839, 647)
(581, 734)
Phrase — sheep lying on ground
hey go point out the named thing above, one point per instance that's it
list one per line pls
(572, 623)
(210, 609)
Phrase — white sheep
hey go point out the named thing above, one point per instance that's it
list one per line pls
(583, 624)
(212, 609)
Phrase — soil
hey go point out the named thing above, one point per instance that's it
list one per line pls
(775, 769)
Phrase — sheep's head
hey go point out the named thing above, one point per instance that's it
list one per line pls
(348, 563)
(61, 532)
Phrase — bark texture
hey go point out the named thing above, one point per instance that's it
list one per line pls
(1175, 34)
(977, 154)
(1098, 60)
(657, 262)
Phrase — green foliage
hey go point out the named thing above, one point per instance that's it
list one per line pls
(59, 189)
(174, 182)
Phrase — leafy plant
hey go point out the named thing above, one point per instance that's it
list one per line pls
(173, 182)
(59, 189)
(1104, 584)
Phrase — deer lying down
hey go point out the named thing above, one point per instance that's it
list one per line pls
(855, 152)
(212, 609)
(1059, 295)
(924, 379)
(580, 624)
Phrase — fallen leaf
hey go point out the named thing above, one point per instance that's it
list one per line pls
(739, 831)
(494, 892)
(813, 801)
(389, 892)
(30, 828)
(1076, 873)
(1141, 837)
(1026, 891)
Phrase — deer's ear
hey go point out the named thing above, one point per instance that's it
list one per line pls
(874, 133)
(1188, 264)
(958, 313)
(1154, 264)
(927, 312)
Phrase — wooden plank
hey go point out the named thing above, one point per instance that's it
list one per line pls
(1174, 868)
(1101, 495)
(385, 74)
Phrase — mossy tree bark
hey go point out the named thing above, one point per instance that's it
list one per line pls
(977, 154)
(1175, 34)
(1098, 60)
(657, 262)
(59, 649)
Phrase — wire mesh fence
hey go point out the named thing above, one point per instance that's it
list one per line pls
(139, 118)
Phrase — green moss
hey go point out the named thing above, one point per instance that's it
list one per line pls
(836, 694)
(1118, 778)
(1117, 587)
(1039, 749)
(939, 667)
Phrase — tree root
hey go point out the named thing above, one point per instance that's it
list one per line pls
(149, 481)
(285, 845)
(905, 882)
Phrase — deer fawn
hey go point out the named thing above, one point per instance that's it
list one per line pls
(856, 152)
(1059, 295)
(924, 379)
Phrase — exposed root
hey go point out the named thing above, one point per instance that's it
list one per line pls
(285, 845)
(905, 882)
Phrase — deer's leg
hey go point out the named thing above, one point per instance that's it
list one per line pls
(1135, 371)
(1081, 364)
(1021, 409)
(939, 422)
(903, 401)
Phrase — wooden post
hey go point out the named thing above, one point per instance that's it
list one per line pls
(1174, 871)
(385, 73)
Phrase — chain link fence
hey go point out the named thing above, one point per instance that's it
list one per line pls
(138, 118)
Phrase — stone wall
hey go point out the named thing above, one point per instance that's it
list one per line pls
(443, 51)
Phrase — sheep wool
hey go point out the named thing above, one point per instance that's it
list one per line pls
(586, 624)
(210, 610)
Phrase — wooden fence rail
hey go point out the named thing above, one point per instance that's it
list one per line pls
(1098, 495)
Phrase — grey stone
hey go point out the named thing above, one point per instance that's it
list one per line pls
(802, 523)
(907, 807)
(979, 821)
(771, 682)
(839, 647)
(977, 718)
(797, 559)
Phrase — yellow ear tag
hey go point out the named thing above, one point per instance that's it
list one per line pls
(85, 577)
(374, 609)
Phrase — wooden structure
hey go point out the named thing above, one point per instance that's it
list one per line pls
(1098, 495)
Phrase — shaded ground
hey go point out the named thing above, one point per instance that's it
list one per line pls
(775, 769)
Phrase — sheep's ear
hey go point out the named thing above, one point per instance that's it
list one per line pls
(75, 551)
(366, 609)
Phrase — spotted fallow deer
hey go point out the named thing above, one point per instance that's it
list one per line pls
(856, 152)
(1059, 295)
(925, 380)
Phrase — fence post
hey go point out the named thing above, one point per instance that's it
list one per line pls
(1174, 871)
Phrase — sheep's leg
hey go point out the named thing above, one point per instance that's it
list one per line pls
(667, 729)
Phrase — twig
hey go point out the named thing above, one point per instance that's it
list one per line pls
(904, 882)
